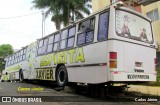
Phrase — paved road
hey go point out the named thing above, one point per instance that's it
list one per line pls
(28, 89)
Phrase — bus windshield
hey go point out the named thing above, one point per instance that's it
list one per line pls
(131, 26)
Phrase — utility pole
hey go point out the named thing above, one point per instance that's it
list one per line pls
(68, 14)
(42, 23)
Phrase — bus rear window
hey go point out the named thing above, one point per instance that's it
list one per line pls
(131, 26)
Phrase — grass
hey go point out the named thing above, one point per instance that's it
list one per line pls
(157, 83)
(158, 74)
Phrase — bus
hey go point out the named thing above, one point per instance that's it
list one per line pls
(113, 45)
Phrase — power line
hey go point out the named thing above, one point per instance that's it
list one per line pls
(17, 35)
(19, 25)
(18, 32)
(12, 29)
(20, 16)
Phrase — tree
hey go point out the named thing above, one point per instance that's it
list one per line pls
(5, 50)
(74, 9)
(63, 10)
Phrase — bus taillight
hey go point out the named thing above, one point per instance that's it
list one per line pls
(113, 60)
(113, 55)
(155, 61)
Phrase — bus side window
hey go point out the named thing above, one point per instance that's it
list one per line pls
(71, 37)
(24, 54)
(63, 40)
(17, 57)
(21, 54)
(86, 31)
(12, 59)
(8, 63)
(103, 27)
(56, 42)
(50, 44)
(6, 59)
(42, 46)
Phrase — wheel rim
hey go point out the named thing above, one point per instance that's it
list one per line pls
(61, 76)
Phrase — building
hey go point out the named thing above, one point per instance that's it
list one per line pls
(153, 12)
(150, 8)
(99, 4)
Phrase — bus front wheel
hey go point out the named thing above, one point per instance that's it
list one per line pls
(62, 76)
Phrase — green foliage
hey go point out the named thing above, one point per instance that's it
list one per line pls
(5, 50)
(63, 10)
(158, 74)
(1, 60)
(157, 83)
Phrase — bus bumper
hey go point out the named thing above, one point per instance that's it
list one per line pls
(124, 77)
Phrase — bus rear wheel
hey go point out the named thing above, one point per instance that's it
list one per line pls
(62, 76)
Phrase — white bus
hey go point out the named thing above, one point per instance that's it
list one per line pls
(114, 45)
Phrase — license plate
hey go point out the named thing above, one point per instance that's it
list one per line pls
(138, 76)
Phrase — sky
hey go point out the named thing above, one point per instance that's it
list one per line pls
(21, 31)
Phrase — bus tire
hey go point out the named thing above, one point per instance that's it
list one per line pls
(8, 80)
(2, 80)
(21, 77)
(62, 76)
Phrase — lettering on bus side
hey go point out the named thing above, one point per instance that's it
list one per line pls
(44, 74)
(13, 68)
(71, 56)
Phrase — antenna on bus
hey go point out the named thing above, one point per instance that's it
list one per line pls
(43, 23)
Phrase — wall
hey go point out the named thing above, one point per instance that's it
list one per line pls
(99, 4)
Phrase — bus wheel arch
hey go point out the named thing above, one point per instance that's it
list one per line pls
(21, 76)
(61, 75)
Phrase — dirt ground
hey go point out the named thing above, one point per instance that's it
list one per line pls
(153, 90)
